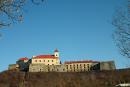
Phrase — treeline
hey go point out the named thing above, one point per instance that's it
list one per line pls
(54, 79)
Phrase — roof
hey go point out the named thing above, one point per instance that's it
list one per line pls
(56, 50)
(84, 61)
(24, 58)
(45, 56)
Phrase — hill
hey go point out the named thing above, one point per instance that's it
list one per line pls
(55, 79)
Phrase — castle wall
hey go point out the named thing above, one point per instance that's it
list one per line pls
(76, 67)
(79, 67)
(108, 65)
(13, 67)
(46, 68)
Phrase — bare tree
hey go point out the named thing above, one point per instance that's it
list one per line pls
(121, 21)
(12, 11)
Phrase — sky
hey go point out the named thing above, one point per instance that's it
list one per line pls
(79, 29)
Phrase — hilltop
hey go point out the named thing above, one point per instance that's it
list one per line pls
(64, 79)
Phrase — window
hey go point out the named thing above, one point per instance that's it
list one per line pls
(44, 60)
(48, 64)
(52, 60)
(63, 69)
(88, 65)
(39, 60)
(84, 65)
(40, 69)
(74, 69)
(77, 65)
(48, 60)
(74, 65)
(66, 66)
(70, 67)
(80, 64)
(35, 60)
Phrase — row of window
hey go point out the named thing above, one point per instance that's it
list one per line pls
(74, 70)
(78, 66)
(44, 60)
(78, 70)
(71, 68)
(49, 64)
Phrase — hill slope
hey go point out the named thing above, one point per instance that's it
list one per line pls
(53, 79)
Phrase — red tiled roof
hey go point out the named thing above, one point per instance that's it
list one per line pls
(84, 61)
(45, 56)
(25, 58)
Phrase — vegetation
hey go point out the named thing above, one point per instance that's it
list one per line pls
(12, 11)
(121, 21)
(54, 79)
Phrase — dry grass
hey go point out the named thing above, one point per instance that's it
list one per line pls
(53, 79)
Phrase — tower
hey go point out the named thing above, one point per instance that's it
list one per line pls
(56, 53)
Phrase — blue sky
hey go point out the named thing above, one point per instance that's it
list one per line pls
(80, 29)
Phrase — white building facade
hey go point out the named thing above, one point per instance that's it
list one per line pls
(47, 59)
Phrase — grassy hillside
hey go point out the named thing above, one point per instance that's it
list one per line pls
(53, 79)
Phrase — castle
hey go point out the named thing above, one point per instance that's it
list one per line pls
(52, 63)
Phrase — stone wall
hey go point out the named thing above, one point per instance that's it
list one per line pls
(79, 67)
(13, 67)
(46, 68)
(108, 65)
(61, 68)
(23, 65)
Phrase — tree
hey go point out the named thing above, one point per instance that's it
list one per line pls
(121, 21)
(12, 11)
